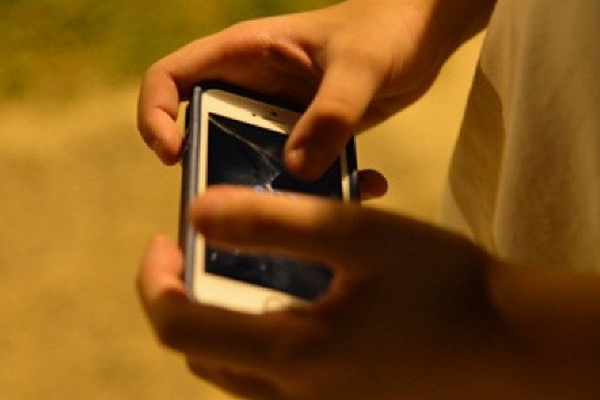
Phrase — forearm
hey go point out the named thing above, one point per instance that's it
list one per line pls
(551, 321)
(434, 28)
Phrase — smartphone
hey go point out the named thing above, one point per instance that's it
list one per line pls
(236, 137)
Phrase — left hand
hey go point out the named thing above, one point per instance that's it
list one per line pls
(353, 64)
(408, 305)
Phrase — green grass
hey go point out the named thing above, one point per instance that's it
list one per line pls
(56, 47)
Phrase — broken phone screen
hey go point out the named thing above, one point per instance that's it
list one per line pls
(244, 154)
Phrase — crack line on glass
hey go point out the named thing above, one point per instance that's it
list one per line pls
(269, 161)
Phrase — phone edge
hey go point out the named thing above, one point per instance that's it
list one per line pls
(189, 186)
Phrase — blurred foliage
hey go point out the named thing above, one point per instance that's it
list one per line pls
(56, 47)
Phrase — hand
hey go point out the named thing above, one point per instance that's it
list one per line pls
(408, 315)
(355, 64)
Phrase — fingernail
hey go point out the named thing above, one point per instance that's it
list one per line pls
(307, 163)
(295, 159)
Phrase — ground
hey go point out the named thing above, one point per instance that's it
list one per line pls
(79, 197)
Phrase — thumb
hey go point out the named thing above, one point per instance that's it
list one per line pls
(332, 118)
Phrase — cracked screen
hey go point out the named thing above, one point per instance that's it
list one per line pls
(244, 154)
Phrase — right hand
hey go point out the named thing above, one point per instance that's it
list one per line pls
(408, 315)
(355, 64)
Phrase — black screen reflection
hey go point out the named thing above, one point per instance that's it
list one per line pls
(243, 154)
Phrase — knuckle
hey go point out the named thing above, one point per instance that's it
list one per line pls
(171, 333)
(143, 121)
(266, 40)
(153, 72)
(336, 114)
(249, 34)
(368, 58)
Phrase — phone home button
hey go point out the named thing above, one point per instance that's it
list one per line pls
(274, 304)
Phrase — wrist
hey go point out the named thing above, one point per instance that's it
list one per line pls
(450, 23)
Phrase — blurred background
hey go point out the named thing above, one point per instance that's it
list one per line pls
(80, 194)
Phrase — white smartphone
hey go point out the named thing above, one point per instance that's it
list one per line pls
(235, 137)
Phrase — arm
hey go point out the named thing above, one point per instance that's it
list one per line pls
(355, 64)
(414, 312)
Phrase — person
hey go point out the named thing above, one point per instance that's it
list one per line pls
(502, 304)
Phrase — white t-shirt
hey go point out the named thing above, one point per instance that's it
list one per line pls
(525, 178)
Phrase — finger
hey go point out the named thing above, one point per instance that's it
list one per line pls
(299, 226)
(241, 385)
(332, 118)
(260, 345)
(158, 107)
(160, 270)
(240, 56)
(372, 184)
(165, 85)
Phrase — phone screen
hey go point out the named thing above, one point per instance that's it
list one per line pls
(248, 155)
